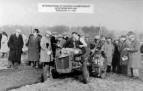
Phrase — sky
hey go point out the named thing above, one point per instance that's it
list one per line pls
(113, 14)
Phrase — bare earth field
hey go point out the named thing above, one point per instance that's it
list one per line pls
(27, 79)
(112, 83)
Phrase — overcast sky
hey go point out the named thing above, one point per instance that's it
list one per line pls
(114, 14)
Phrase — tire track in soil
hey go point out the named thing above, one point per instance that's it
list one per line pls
(12, 79)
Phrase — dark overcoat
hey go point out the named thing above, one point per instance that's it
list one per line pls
(0, 39)
(15, 44)
(116, 56)
(123, 64)
(53, 45)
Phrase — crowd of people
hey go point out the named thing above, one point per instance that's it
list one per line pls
(122, 55)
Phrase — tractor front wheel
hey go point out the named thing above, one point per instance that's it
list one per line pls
(54, 73)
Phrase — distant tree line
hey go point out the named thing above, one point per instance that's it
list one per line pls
(88, 31)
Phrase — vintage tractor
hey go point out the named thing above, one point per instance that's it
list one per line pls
(68, 60)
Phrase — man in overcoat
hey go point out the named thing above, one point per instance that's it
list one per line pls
(15, 44)
(34, 48)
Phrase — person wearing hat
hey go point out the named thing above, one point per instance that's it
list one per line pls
(15, 44)
(34, 48)
(109, 49)
(62, 40)
(134, 55)
(96, 45)
(4, 47)
(116, 57)
(123, 54)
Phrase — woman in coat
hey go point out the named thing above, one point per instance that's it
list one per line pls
(34, 48)
(109, 49)
(4, 47)
(45, 54)
(123, 53)
(134, 56)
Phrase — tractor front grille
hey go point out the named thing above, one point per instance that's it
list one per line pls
(62, 63)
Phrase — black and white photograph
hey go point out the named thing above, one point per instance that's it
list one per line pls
(71, 45)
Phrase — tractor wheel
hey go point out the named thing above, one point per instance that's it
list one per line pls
(54, 73)
(103, 74)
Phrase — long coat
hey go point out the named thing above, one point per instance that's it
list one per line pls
(0, 39)
(134, 55)
(4, 44)
(53, 45)
(45, 50)
(15, 44)
(123, 66)
(34, 47)
(109, 49)
(116, 56)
